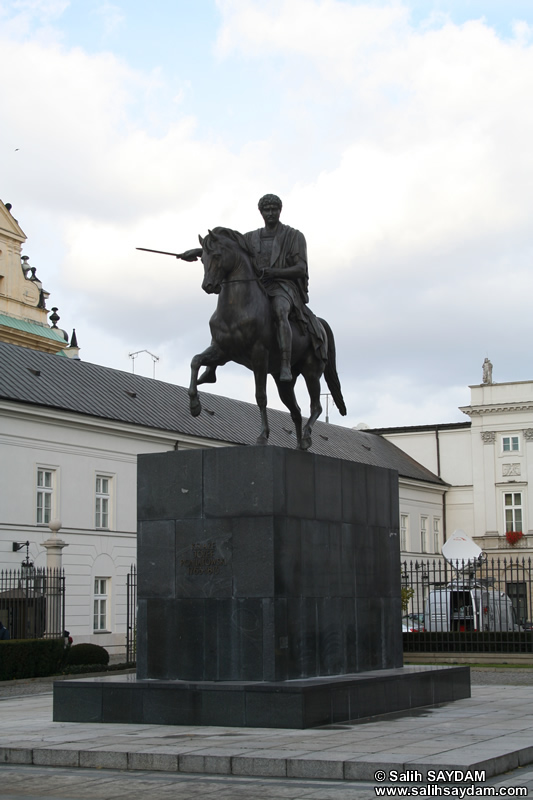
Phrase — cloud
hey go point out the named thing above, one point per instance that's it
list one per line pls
(112, 17)
(335, 36)
(401, 151)
(43, 10)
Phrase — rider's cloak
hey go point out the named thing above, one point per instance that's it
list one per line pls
(288, 249)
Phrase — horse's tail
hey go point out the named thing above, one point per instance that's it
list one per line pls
(330, 372)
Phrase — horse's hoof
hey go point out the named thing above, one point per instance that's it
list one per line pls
(262, 440)
(195, 408)
(305, 443)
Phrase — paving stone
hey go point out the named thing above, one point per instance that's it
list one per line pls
(56, 758)
(364, 769)
(208, 764)
(165, 762)
(315, 768)
(259, 767)
(12, 755)
(103, 759)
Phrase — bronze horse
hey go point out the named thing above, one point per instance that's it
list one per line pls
(242, 330)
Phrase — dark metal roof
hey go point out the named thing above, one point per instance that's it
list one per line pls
(41, 379)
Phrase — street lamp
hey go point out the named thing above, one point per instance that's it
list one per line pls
(27, 564)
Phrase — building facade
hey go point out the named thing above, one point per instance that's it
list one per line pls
(486, 462)
(23, 312)
(70, 434)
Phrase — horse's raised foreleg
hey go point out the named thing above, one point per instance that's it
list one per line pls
(211, 357)
(288, 398)
(209, 375)
(312, 379)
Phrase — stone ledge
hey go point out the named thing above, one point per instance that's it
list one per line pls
(322, 768)
(298, 704)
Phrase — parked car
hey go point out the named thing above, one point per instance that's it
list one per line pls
(413, 623)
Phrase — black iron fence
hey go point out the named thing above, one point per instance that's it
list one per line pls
(484, 606)
(459, 607)
(32, 602)
(131, 615)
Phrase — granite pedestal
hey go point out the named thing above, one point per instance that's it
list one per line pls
(268, 595)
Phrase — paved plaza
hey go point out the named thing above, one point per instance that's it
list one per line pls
(53, 783)
(491, 732)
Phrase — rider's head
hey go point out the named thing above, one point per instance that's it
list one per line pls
(269, 200)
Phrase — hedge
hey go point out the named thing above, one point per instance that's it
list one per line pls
(86, 653)
(30, 658)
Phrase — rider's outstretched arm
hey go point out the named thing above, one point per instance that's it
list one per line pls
(191, 255)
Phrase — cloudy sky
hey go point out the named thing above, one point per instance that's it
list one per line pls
(397, 132)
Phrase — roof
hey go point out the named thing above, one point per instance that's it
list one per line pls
(29, 326)
(9, 225)
(42, 379)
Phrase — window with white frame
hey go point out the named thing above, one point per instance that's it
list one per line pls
(436, 535)
(513, 511)
(510, 444)
(101, 604)
(423, 534)
(404, 531)
(45, 495)
(102, 502)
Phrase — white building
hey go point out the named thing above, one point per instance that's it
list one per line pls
(70, 433)
(487, 463)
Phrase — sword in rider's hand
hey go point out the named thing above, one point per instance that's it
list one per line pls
(188, 255)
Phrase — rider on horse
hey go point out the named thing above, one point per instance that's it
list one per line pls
(280, 260)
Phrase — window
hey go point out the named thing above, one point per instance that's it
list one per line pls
(101, 588)
(436, 535)
(423, 534)
(404, 530)
(103, 487)
(513, 511)
(45, 490)
(510, 444)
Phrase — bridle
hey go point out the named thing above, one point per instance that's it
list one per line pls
(256, 278)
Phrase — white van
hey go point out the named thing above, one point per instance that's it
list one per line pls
(469, 606)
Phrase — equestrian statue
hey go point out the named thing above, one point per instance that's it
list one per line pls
(262, 319)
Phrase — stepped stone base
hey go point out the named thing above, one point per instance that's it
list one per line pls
(282, 704)
(269, 596)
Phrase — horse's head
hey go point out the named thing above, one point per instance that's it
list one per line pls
(221, 253)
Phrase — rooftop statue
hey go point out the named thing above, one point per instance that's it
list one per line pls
(262, 320)
(487, 371)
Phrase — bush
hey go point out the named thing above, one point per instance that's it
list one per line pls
(86, 653)
(30, 658)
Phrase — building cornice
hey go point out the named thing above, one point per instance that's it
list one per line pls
(53, 416)
(502, 383)
(441, 426)
(416, 484)
(31, 340)
(497, 408)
